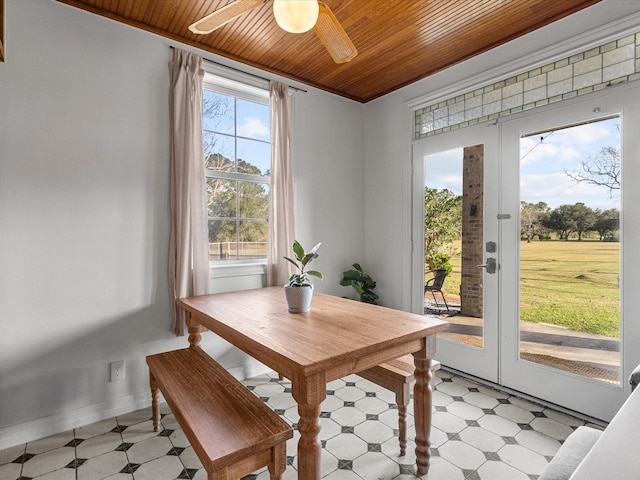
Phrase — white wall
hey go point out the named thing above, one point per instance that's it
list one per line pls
(388, 133)
(84, 213)
(328, 184)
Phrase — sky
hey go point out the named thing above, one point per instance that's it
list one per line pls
(543, 164)
(251, 123)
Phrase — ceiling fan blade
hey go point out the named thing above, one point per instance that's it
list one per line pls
(223, 15)
(333, 36)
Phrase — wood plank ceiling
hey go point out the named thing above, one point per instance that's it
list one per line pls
(398, 41)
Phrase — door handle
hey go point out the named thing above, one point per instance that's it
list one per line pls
(490, 266)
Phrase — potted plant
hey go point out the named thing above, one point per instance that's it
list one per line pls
(361, 282)
(299, 290)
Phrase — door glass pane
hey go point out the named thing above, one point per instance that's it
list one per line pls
(454, 241)
(570, 248)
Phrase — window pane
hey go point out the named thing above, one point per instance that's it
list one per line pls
(254, 200)
(254, 157)
(221, 198)
(222, 240)
(253, 120)
(219, 152)
(253, 239)
(217, 112)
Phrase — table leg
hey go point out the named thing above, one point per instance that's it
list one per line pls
(194, 336)
(195, 331)
(309, 393)
(422, 403)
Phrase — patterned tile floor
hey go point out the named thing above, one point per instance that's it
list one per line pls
(478, 433)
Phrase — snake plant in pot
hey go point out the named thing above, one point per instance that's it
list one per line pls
(299, 289)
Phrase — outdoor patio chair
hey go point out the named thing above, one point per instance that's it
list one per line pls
(435, 285)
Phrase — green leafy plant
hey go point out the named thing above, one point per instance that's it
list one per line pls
(442, 261)
(302, 260)
(361, 282)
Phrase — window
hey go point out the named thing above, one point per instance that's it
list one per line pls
(237, 155)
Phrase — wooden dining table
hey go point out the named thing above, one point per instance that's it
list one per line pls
(336, 338)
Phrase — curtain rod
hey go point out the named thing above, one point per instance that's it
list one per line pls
(243, 72)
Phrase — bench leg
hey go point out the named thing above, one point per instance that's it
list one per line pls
(155, 406)
(278, 463)
(402, 400)
(435, 366)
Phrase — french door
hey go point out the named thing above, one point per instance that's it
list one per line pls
(535, 304)
(564, 331)
(465, 165)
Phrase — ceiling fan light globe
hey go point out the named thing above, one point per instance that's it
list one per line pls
(296, 16)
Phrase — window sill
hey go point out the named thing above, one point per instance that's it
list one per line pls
(218, 270)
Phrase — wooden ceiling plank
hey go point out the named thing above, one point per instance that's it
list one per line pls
(178, 15)
(409, 80)
(397, 44)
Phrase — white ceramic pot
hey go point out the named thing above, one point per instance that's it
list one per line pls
(299, 298)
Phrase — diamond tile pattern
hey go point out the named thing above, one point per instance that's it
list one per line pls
(478, 433)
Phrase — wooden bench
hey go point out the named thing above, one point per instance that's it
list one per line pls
(231, 430)
(397, 376)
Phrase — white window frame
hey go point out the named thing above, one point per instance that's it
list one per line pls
(254, 90)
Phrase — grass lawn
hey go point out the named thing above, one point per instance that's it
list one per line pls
(573, 284)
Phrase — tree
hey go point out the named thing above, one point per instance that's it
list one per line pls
(442, 222)
(607, 222)
(568, 219)
(532, 219)
(561, 221)
(602, 170)
(583, 217)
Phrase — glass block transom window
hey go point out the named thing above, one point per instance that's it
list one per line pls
(614, 62)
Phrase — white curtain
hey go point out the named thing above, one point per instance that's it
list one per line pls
(281, 225)
(188, 243)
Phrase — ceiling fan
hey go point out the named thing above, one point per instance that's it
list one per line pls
(295, 16)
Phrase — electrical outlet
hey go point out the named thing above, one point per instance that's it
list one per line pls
(116, 371)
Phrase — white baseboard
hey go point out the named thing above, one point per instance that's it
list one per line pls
(62, 422)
